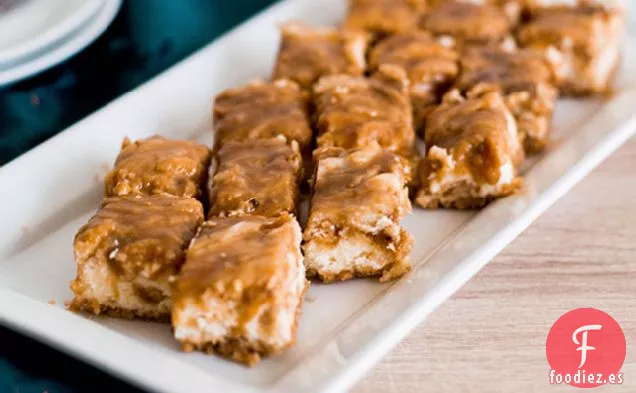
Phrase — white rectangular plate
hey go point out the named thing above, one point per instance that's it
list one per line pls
(49, 192)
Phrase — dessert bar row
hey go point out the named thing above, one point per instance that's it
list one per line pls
(233, 284)
(365, 145)
(580, 43)
(475, 96)
(241, 289)
(342, 112)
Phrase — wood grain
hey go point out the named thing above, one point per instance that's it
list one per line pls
(490, 337)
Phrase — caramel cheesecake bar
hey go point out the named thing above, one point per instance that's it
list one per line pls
(472, 152)
(129, 252)
(431, 67)
(241, 288)
(261, 110)
(384, 17)
(159, 166)
(353, 112)
(583, 44)
(524, 78)
(353, 227)
(307, 53)
(467, 23)
(258, 177)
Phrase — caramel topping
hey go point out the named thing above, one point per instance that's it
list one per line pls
(512, 7)
(353, 112)
(242, 258)
(306, 53)
(262, 111)
(158, 166)
(505, 71)
(431, 68)
(479, 133)
(424, 59)
(384, 16)
(574, 28)
(144, 236)
(467, 22)
(257, 177)
(351, 185)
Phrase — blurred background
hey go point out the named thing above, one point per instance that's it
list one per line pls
(121, 50)
(145, 38)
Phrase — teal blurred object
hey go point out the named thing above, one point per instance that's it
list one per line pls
(147, 37)
(27, 366)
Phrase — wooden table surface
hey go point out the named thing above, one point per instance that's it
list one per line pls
(490, 336)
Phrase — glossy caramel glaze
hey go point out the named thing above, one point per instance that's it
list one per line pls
(159, 166)
(354, 112)
(430, 67)
(512, 8)
(507, 71)
(140, 237)
(467, 23)
(352, 185)
(535, 6)
(478, 133)
(384, 16)
(256, 177)
(262, 110)
(572, 28)
(308, 53)
(241, 258)
(241, 288)
(353, 227)
(472, 152)
(583, 45)
(525, 79)
(424, 59)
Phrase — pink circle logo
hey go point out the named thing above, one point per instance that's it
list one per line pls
(586, 348)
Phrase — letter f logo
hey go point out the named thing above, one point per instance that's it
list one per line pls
(584, 347)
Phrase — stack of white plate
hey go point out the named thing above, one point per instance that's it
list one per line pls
(38, 34)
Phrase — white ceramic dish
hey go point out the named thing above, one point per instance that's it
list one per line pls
(34, 25)
(60, 50)
(49, 192)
